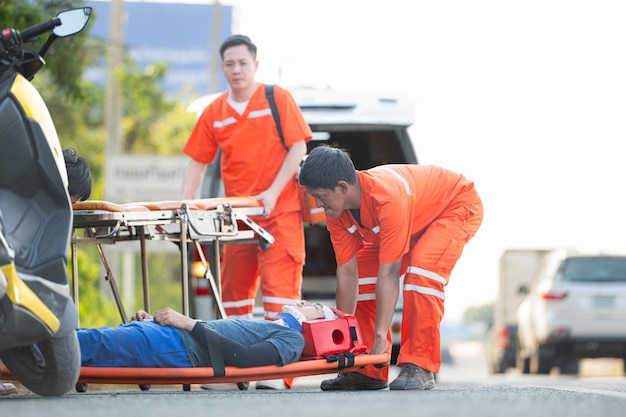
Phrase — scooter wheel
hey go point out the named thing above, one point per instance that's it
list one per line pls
(49, 369)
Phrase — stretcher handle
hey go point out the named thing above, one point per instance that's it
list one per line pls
(222, 212)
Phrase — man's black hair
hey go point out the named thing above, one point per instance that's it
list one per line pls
(325, 166)
(236, 40)
(78, 175)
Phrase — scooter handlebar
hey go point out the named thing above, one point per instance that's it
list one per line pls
(40, 28)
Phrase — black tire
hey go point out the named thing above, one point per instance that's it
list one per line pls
(570, 367)
(539, 364)
(243, 386)
(51, 369)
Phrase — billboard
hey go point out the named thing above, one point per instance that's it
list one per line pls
(135, 178)
(182, 35)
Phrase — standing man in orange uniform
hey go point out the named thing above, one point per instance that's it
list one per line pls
(387, 222)
(254, 163)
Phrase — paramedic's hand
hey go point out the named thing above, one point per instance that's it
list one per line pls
(268, 199)
(141, 315)
(379, 346)
(169, 317)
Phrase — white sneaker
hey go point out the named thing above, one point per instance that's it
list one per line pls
(220, 386)
(7, 388)
(271, 384)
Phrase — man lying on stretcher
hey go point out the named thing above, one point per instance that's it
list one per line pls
(173, 340)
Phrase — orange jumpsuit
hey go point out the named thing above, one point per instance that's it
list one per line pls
(252, 154)
(423, 215)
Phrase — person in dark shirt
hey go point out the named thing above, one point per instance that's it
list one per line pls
(172, 340)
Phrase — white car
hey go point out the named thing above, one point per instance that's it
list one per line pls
(575, 308)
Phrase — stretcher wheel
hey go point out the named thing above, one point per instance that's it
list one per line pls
(265, 245)
(243, 386)
(144, 387)
(81, 387)
(186, 387)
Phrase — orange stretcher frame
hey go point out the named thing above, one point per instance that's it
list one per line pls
(188, 376)
(167, 376)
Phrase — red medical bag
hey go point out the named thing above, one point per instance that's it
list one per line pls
(332, 336)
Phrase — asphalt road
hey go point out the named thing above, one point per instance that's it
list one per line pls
(463, 389)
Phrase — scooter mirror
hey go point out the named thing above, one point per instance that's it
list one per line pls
(72, 21)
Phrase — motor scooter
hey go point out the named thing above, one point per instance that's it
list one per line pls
(38, 318)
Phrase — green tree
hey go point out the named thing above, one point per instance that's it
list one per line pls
(65, 65)
(479, 314)
(152, 124)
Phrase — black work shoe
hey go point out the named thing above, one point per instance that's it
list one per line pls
(413, 377)
(352, 381)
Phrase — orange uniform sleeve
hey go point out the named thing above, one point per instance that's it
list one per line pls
(202, 144)
(345, 244)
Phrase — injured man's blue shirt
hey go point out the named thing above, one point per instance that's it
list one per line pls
(146, 344)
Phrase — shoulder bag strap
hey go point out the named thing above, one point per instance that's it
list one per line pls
(269, 95)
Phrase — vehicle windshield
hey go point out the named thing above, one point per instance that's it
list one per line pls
(594, 269)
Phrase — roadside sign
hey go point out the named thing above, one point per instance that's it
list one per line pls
(135, 178)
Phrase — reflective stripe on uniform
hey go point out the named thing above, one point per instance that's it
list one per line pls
(363, 281)
(259, 113)
(225, 122)
(279, 300)
(424, 290)
(400, 177)
(426, 274)
(366, 297)
(240, 303)
(367, 280)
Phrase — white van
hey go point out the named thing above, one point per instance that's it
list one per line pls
(373, 128)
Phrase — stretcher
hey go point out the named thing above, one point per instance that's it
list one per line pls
(217, 220)
(144, 377)
(330, 346)
(184, 376)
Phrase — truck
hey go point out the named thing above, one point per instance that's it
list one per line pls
(516, 270)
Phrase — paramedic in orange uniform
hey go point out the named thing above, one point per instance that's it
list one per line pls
(254, 163)
(387, 223)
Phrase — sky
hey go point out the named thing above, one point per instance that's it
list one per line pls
(525, 98)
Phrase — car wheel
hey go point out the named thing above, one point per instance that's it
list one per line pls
(539, 364)
(570, 367)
